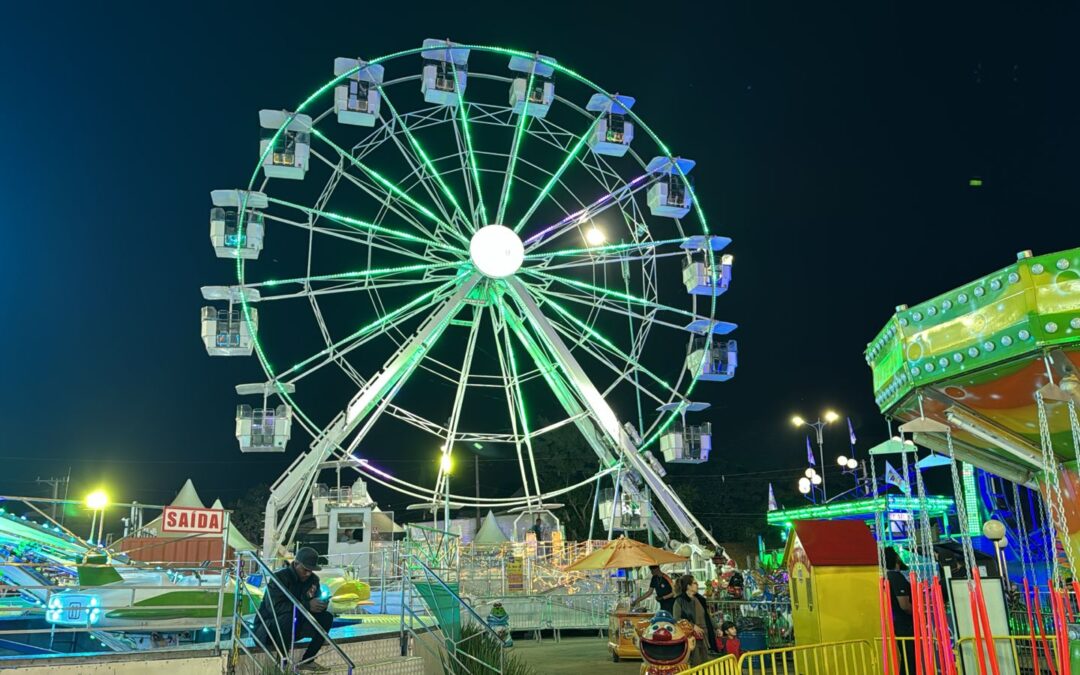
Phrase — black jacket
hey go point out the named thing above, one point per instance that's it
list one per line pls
(277, 604)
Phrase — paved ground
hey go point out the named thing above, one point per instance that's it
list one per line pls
(572, 656)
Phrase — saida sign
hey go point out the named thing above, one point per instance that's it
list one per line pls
(192, 520)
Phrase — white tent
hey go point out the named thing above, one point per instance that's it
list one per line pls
(188, 497)
(490, 534)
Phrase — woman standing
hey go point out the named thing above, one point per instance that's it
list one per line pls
(687, 607)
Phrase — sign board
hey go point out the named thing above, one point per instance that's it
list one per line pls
(192, 521)
(515, 574)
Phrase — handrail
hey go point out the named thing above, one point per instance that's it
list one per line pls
(429, 572)
(296, 606)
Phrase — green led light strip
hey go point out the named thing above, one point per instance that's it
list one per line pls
(377, 177)
(936, 505)
(362, 274)
(504, 198)
(607, 248)
(422, 154)
(474, 168)
(614, 294)
(364, 225)
(971, 500)
(558, 174)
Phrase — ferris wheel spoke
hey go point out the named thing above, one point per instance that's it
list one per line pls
(362, 225)
(352, 287)
(369, 239)
(515, 148)
(610, 346)
(370, 273)
(607, 260)
(388, 191)
(594, 302)
(459, 396)
(623, 374)
(473, 168)
(379, 326)
(607, 293)
(555, 177)
(425, 159)
(612, 198)
(511, 389)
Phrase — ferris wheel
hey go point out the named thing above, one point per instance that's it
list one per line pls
(480, 246)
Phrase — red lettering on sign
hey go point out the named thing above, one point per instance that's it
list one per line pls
(192, 520)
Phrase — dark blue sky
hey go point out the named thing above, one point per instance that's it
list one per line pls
(834, 145)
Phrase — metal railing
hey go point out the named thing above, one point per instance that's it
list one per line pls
(48, 611)
(851, 657)
(257, 645)
(725, 665)
(462, 648)
(1042, 660)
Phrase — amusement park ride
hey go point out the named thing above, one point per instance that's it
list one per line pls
(487, 249)
(987, 374)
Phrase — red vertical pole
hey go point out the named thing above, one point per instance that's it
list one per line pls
(891, 638)
(917, 619)
(976, 627)
(1031, 626)
(985, 618)
(944, 643)
(1042, 633)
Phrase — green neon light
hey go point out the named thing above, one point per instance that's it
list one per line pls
(504, 200)
(377, 177)
(474, 168)
(973, 526)
(558, 174)
(612, 293)
(362, 274)
(935, 506)
(424, 156)
(364, 225)
(606, 342)
(607, 248)
(375, 325)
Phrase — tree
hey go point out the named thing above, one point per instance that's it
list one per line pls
(249, 512)
(565, 457)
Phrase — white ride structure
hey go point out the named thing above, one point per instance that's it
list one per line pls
(491, 248)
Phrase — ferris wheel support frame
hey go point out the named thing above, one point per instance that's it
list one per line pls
(290, 491)
(605, 417)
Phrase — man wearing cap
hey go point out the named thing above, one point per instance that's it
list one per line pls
(278, 611)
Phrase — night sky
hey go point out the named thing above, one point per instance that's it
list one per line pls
(835, 146)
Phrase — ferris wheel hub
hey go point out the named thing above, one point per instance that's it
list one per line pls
(497, 251)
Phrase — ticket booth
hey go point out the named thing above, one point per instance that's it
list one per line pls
(833, 581)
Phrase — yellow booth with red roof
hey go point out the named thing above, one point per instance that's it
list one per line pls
(833, 581)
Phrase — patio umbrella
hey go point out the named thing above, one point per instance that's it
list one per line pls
(624, 553)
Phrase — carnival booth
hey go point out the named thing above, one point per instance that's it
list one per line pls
(833, 581)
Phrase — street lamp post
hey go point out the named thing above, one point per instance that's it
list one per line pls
(830, 417)
(445, 463)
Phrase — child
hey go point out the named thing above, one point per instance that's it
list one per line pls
(727, 641)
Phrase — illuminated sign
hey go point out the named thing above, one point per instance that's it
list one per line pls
(192, 521)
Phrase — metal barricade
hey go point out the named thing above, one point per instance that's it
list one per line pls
(725, 665)
(852, 657)
(1015, 655)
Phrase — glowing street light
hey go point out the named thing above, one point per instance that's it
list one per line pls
(594, 237)
(96, 501)
(445, 462)
(830, 416)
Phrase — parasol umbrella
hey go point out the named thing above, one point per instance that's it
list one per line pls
(624, 553)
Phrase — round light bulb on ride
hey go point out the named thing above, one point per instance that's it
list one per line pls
(852, 464)
(594, 237)
(497, 251)
(841, 460)
(804, 487)
(809, 473)
(993, 530)
(815, 479)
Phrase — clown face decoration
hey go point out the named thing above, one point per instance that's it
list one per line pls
(665, 645)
